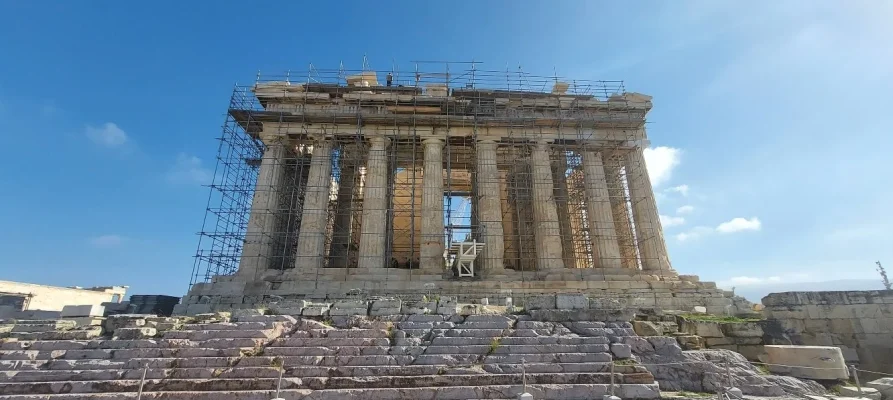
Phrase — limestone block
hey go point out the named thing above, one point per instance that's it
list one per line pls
(135, 333)
(571, 302)
(88, 310)
(349, 307)
(702, 328)
(715, 342)
(884, 386)
(114, 322)
(646, 328)
(247, 312)
(88, 321)
(317, 310)
(196, 309)
(543, 302)
(389, 306)
(692, 342)
(743, 330)
(866, 393)
(751, 352)
(621, 350)
(219, 316)
(607, 303)
(419, 307)
(821, 362)
(447, 306)
(581, 315)
(699, 310)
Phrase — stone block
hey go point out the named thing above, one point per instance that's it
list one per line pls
(751, 352)
(702, 328)
(543, 302)
(419, 307)
(884, 386)
(743, 330)
(317, 310)
(246, 312)
(819, 362)
(692, 342)
(715, 342)
(196, 309)
(646, 328)
(87, 321)
(88, 310)
(389, 306)
(621, 350)
(865, 393)
(135, 333)
(447, 306)
(349, 308)
(571, 302)
(600, 303)
(581, 315)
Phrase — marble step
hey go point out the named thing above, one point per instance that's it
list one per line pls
(223, 334)
(534, 341)
(311, 371)
(492, 392)
(315, 383)
(106, 354)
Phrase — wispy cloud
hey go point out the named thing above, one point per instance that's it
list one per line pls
(668, 221)
(108, 135)
(660, 162)
(693, 234)
(685, 210)
(106, 241)
(681, 189)
(739, 225)
(188, 169)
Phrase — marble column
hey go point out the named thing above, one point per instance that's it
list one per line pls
(489, 213)
(432, 207)
(510, 236)
(619, 209)
(374, 228)
(545, 215)
(340, 248)
(602, 233)
(559, 177)
(649, 234)
(259, 235)
(315, 212)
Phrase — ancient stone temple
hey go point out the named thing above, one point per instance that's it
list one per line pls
(463, 183)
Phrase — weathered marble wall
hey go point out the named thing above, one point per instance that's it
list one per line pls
(859, 322)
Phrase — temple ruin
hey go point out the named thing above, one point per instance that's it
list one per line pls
(464, 182)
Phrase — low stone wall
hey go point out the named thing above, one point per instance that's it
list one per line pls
(859, 322)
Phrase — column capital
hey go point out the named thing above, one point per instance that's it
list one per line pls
(433, 141)
(376, 138)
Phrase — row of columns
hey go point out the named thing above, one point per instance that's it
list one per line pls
(605, 209)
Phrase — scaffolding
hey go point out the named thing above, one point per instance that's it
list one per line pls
(264, 189)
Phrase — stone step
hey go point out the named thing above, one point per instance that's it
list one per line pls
(222, 334)
(310, 371)
(315, 383)
(329, 342)
(535, 341)
(492, 392)
(86, 364)
(221, 326)
(98, 344)
(57, 335)
(38, 327)
(499, 348)
(327, 361)
(328, 351)
(350, 333)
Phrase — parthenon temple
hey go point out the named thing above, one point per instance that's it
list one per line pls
(467, 183)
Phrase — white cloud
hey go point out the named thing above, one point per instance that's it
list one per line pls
(685, 210)
(748, 280)
(694, 233)
(189, 170)
(106, 241)
(109, 135)
(660, 162)
(681, 189)
(668, 221)
(739, 224)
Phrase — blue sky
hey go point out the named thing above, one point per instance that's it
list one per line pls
(771, 127)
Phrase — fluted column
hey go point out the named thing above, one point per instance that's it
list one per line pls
(489, 207)
(622, 219)
(649, 234)
(373, 231)
(510, 236)
(606, 251)
(259, 234)
(559, 177)
(315, 212)
(340, 247)
(545, 214)
(432, 207)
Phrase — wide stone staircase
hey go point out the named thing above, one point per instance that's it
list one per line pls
(389, 357)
